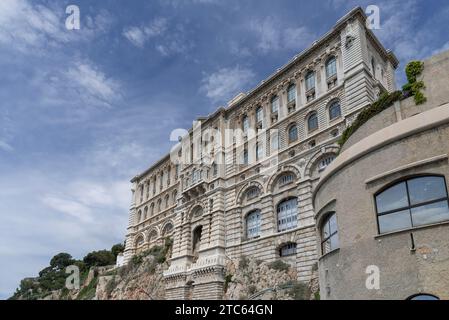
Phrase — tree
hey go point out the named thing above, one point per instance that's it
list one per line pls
(118, 248)
(61, 261)
(99, 258)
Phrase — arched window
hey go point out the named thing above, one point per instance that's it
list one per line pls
(139, 216)
(293, 133)
(287, 212)
(275, 104)
(334, 110)
(245, 123)
(312, 122)
(324, 162)
(412, 203)
(215, 169)
(310, 80)
(331, 67)
(286, 178)
(152, 209)
(140, 240)
(329, 234)
(167, 229)
(197, 212)
(423, 296)
(288, 249)
(291, 93)
(174, 196)
(196, 240)
(259, 115)
(167, 201)
(253, 220)
(252, 193)
(152, 236)
(159, 205)
(145, 213)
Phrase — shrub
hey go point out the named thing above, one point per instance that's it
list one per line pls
(299, 291)
(279, 265)
(385, 101)
(228, 280)
(243, 263)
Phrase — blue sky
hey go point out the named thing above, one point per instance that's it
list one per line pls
(81, 112)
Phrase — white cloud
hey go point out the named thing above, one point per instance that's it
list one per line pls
(272, 35)
(94, 82)
(224, 83)
(5, 146)
(140, 35)
(35, 28)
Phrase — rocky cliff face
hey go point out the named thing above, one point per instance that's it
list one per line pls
(142, 279)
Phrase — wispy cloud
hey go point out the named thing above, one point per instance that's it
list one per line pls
(273, 35)
(34, 28)
(140, 35)
(166, 39)
(222, 84)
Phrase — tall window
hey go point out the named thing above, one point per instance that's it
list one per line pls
(139, 216)
(373, 67)
(331, 67)
(287, 212)
(334, 110)
(312, 122)
(167, 201)
(288, 249)
(151, 209)
(215, 169)
(275, 104)
(293, 133)
(145, 214)
(259, 114)
(259, 151)
(159, 205)
(245, 156)
(196, 176)
(274, 142)
(329, 234)
(245, 122)
(291, 93)
(253, 224)
(412, 203)
(310, 81)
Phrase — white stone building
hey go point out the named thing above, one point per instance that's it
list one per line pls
(249, 192)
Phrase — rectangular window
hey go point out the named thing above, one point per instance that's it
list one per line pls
(275, 105)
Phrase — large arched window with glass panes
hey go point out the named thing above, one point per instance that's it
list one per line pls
(411, 203)
(253, 222)
(287, 214)
(312, 122)
(334, 110)
(292, 133)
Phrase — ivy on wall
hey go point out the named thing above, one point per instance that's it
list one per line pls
(386, 100)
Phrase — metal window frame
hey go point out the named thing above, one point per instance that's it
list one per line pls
(410, 206)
